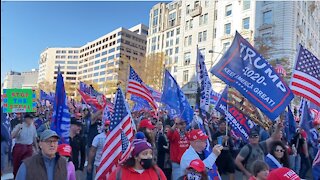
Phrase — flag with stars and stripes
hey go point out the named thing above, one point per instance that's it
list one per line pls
(137, 87)
(116, 146)
(126, 148)
(61, 117)
(305, 79)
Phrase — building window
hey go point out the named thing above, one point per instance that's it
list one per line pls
(200, 37)
(246, 4)
(189, 40)
(175, 69)
(177, 41)
(96, 68)
(215, 33)
(172, 19)
(111, 50)
(96, 74)
(191, 24)
(176, 50)
(246, 23)
(215, 14)
(204, 36)
(188, 9)
(103, 59)
(267, 17)
(185, 76)
(97, 62)
(178, 31)
(72, 62)
(227, 28)
(226, 45)
(229, 10)
(206, 3)
(186, 59)
(102, 66)
(111, 57)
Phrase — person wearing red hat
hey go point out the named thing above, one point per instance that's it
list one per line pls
(195, 171)
(139, 165)
(147, 127)
(196, 150)
(283, 174)
(65, 151)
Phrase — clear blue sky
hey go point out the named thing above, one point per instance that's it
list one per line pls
(27, 28)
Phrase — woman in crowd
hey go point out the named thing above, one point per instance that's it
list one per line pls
(140, 165)
(65, 151)
(260, 170)
(195, 171)
(278, 156)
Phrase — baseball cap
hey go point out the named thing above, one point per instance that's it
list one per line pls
(28, 115)
(197, 165)
(64, 150)
(146, 123)
(253, 133)
(48, 133)
(140, 135)
(197, 134)
(140, 145)
(283, 174)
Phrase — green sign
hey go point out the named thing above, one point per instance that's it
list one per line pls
(19, 100)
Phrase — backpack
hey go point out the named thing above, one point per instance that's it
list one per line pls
(250, 151)
(119, 173)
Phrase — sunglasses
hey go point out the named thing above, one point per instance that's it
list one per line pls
(254, 136)
(279, 150)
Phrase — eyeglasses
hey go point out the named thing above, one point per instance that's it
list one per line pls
(279, 150)
(254, 136)
(49, 142)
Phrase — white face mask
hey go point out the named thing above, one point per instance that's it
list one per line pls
(193, 176)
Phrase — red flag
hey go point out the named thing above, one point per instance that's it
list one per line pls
(98, 102)
(305, 80)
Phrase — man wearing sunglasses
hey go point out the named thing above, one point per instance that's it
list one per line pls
(249, 153)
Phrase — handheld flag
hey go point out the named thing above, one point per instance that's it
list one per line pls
(205, 83)
(116, 147)
(305, 81)
(175, 98)
(137, 87)
(61, 116)
(247, 71)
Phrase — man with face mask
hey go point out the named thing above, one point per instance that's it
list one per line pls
(196, 150)
(140, 165)
(96, 150)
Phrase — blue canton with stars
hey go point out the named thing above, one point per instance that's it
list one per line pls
(308, 63)
(134, 76)
(120, 110)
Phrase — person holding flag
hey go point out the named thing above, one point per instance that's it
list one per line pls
(196, 150)
(179, 143)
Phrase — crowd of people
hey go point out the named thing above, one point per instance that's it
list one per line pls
(163, 148)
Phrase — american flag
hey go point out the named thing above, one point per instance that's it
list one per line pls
(279, 69)
(155, 94)
(116, 147)
(305, 80)
(137, 87)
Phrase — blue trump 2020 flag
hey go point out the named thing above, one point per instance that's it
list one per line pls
(61, 116)
(240, 123)
(290, 125)
(175, 98)
(243, 68)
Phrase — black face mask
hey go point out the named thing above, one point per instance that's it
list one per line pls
(146, 163)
